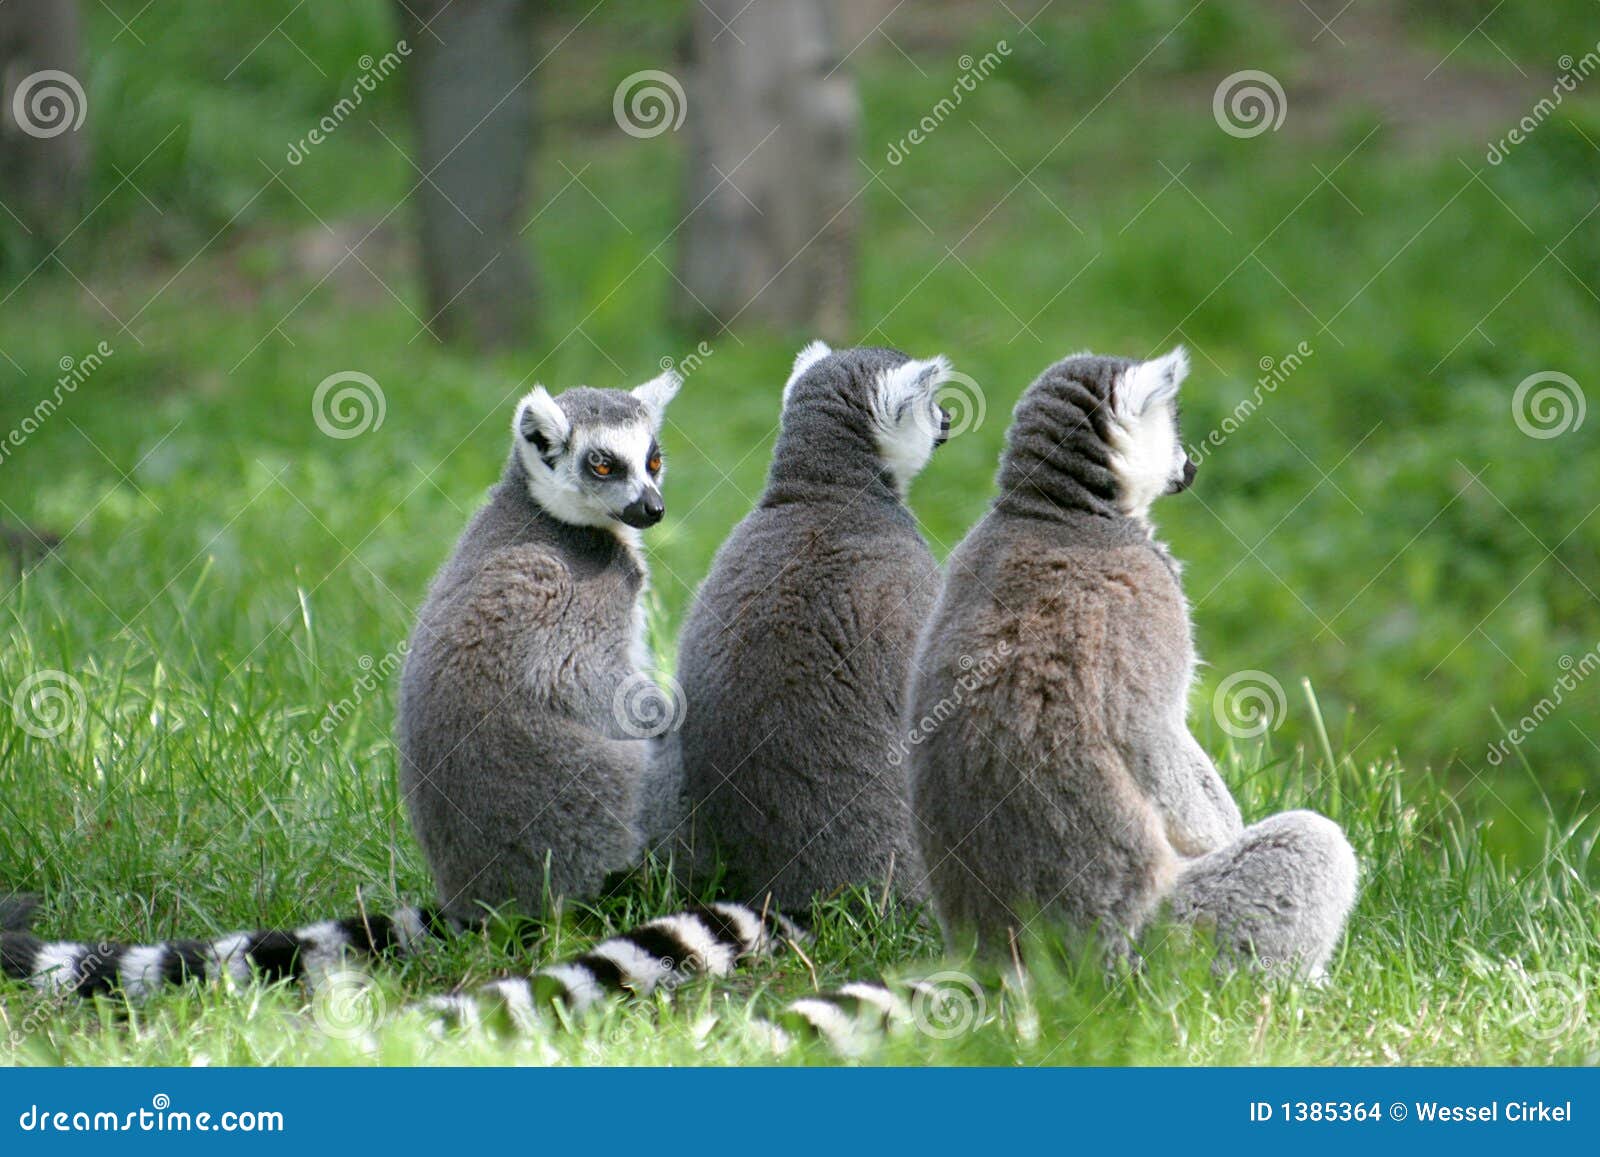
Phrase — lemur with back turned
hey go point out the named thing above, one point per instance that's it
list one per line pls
(1066, 786)
(793, 658)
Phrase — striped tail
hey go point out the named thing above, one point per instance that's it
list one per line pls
(850, 1020)
(660, 954)
(856, 1018)
(309, 953)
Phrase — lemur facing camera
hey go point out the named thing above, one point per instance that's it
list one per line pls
(522, 779)
(1066, 786)
(794, 656)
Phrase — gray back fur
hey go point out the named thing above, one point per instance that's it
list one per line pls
(794, 656)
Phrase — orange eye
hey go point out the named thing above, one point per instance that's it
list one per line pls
(599, 464)
(654, 464)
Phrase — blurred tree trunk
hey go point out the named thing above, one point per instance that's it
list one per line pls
(472, 104)
(773, 123)
(44, 154)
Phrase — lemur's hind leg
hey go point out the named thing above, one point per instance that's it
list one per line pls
(1276, 897)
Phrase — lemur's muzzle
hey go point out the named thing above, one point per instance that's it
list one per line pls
(645, 510)
(1181, 484)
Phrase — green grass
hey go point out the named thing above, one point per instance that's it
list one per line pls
(229, 573)
(1452, 959)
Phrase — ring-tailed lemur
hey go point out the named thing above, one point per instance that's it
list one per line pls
(794, 655)
(523, 771)
(1067, 785)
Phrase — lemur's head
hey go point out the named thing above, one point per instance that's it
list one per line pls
(1147, 454)
(1101, 432)
(592, 456)
(866, 407)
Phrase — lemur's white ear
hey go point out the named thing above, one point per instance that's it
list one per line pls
(813, 353)
(541, 424)
(1151, 383)
(908, 423)
(657, 392)
(899, 387)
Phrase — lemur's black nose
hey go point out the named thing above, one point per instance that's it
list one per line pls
(1189, 469)
(645, 510)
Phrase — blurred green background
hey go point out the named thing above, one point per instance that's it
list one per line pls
(1381, 526)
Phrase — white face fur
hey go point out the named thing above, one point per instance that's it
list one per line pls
(1146, 455)
(909, 422)
(606, 476)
